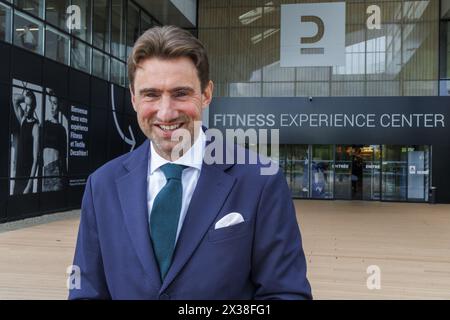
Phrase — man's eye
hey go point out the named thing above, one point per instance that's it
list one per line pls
(151, 95)
(180, 94)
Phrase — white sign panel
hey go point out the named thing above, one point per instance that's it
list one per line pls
(312, 34)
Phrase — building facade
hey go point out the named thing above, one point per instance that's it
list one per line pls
(372, 127)
(394, 52)
(64, 104)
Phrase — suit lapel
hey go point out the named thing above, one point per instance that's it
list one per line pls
(213, 187)
(132, 189)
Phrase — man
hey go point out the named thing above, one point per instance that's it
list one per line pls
(158, 226)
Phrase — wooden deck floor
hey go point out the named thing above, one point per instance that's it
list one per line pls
(410, 243)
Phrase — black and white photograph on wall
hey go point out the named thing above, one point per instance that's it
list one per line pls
(25, 132)
(54, 143)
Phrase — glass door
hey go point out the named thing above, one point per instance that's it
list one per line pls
(395, 172)
(418, 173)
(322, 171)
(343, 172)
(297, 172)
(371, 172)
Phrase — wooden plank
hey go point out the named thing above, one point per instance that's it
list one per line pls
(409, 242)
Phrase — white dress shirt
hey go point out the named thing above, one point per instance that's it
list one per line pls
(156, 179)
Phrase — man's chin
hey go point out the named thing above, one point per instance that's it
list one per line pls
(163, 147)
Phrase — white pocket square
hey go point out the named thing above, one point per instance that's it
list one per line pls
(229, 220)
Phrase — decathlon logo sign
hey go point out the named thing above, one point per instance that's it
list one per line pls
(312, 34)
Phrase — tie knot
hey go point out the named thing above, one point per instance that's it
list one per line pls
(172, 171)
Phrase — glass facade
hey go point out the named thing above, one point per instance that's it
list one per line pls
(57, 45)
(5, 23)
(28, 32)
(132, 26)
(91, 36)
(357, 172)
(33, 7)
(118, 34)
(55, 12)
(399, 59)
(101, 24)
(444, 88)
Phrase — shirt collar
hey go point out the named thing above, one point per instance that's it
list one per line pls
(192, 158)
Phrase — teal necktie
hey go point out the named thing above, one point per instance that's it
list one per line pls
(165, 215)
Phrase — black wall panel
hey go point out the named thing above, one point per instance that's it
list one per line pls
(3, 198)
(54, 201)
(21, 206)
(55, 77)
(118, 102)
(77, 185)
(114, 139)
(79, 87)
(130, 121)
(4, 129)
(99, 93)
(128, 104)
(441, 171)
(82, 100)
(97, 137)
(5, 63)
(27, 66)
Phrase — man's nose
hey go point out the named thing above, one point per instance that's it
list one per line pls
(166, 111)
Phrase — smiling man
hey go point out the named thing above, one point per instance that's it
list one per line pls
(160, 224)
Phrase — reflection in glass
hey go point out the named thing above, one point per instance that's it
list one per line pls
(84, 32)
(251, 89)
(445, 58)
(394, 176)
(132, 26)
(34, 7)
(400, 58)
(418, 173)
(297, 166)
(5, 23)
(28, 32)
(343, 172)
(118, 29)
(80, 56)
(445, 9)
(117, 72)
(444, 88)
(100, 25)
(100, 65)
(371, 159)
(322, 171)
(283, 152)
(56, 12)
(146, 22)
(56, 45)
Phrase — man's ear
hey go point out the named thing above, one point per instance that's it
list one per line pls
(207, 94)
(133, 98)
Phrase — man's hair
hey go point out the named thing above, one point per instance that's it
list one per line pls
(169, 42)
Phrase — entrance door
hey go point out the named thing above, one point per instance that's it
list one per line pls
(343, 172)
(371, 170)
(357, 172)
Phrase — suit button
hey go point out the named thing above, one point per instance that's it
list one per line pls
(164, 296)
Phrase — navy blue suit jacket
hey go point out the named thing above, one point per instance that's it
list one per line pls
(261, 258)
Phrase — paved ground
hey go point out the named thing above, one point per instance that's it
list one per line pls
(408, 243)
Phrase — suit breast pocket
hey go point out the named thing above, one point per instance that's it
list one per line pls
(227, 233)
